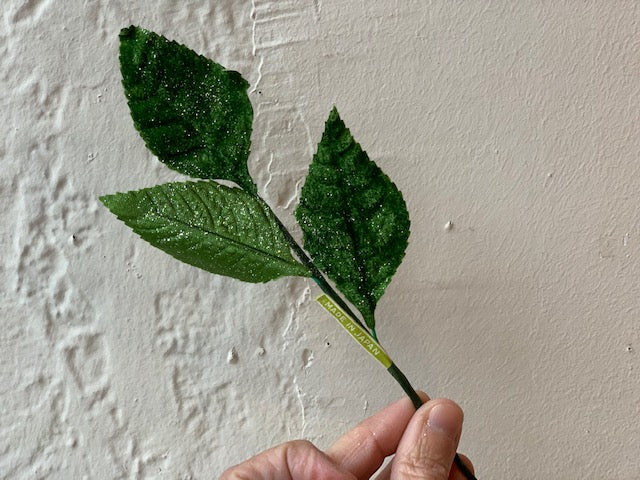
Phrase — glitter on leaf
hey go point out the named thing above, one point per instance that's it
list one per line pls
(354, 219)
(192, 113)
(220, 229)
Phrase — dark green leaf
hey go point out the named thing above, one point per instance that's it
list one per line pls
(220, 229)
(354, 219)
(194, 115)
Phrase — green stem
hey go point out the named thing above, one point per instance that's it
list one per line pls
(463, 468)
(317, 275)
(374, 335)
(417, 403)
(395, 372)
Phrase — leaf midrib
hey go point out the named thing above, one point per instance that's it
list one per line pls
(216, 234)
(364, 278)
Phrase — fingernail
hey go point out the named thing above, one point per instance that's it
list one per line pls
(444, 418)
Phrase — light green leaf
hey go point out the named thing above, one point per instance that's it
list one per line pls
(354, 219)
(220, 229)
(194, 115)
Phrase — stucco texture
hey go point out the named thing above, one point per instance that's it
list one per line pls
(510, 127)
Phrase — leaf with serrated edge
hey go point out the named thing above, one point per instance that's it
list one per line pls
(192, 113)
(354, 219)
(220, 229)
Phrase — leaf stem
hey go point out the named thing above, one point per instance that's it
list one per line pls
(463, 468)
(395, 372)
(318, 277)
(399, 377)
(374, 335)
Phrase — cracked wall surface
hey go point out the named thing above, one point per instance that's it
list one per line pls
(511, 129)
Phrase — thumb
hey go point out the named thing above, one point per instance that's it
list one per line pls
(429, 443)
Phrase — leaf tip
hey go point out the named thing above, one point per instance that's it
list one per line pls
(118, 203)
(334, 120)
(110, 201)
(333, 115)
(104, 199)
(128, 32)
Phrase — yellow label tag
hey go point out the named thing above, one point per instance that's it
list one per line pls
(360, 335)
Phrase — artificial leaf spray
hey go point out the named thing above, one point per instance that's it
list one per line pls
(196, 117)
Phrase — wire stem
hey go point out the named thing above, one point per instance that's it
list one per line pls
(395, 372)
(318, 277)
(399, 377)
(463, 468)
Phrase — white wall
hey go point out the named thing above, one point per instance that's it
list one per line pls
(516, 121)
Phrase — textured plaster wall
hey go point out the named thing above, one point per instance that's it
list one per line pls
(515, 121)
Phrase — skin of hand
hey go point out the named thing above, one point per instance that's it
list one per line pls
(424, 443)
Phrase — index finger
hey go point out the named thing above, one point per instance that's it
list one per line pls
(362, 450)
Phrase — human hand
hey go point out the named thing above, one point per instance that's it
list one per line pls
(424, 443)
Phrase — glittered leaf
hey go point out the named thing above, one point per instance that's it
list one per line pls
(354, 219)
(220, 229)
(194, 115)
